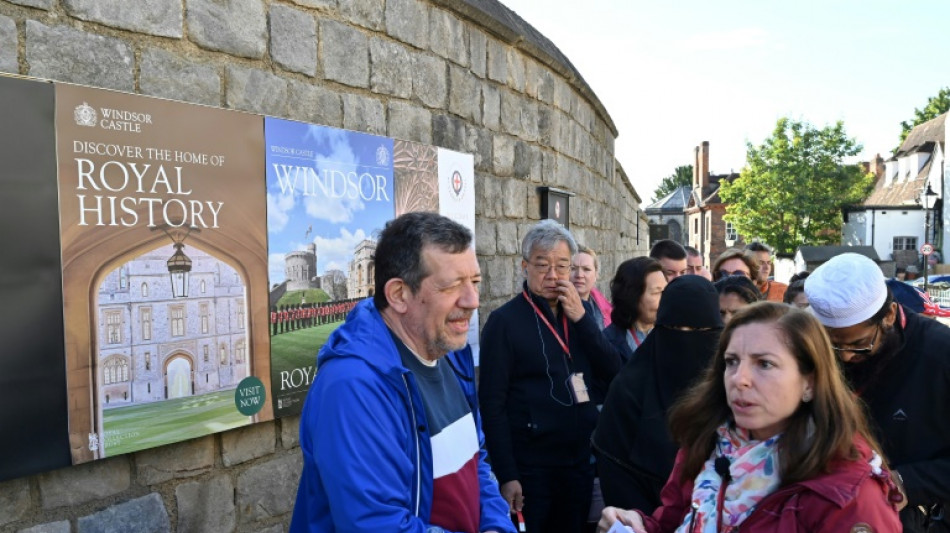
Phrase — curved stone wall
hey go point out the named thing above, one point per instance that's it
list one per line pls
(468, 75)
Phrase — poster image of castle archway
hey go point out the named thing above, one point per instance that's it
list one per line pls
(167, 366)
(153, 192)
(329, 194)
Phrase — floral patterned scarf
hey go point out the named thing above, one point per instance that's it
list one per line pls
(755, 474)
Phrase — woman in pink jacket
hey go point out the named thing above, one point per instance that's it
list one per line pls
(773, 440)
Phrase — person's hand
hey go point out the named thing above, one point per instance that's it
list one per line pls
(511, 492)
(610, 515)
(570, 300)
(899, 483)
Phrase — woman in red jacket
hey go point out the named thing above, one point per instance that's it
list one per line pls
(773, 441)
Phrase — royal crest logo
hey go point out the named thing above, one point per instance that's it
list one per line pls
(85, 115)
(458, 185)
(382, 156)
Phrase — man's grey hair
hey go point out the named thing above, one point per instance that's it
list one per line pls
(544, 236)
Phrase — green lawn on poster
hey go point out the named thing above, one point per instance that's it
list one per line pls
(298, 348)
(138, 427)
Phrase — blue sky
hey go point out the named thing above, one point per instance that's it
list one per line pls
(674, 74)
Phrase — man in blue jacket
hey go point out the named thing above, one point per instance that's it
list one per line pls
(390, 432)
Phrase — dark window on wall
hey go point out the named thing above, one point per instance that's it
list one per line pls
(905, 243)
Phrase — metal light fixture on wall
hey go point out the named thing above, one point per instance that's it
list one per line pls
(929, 200)
(179, 264)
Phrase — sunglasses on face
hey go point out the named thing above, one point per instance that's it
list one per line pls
(726, 273)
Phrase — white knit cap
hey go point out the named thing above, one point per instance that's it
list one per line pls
(847, 290)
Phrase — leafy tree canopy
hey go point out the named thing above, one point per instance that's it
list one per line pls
(794, 184)
(681, 176)
(936, 106)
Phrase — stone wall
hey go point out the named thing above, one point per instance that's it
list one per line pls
(468, 75)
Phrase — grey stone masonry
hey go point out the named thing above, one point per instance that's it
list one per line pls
(84, 483)
(315, 104)
(497, 61)
(366, 13)
(289, 431)
(409, 122)
(293, 39)
(42, 4)
(52, 527)
(8, 45)
(323, 4)
(491, 107)
(478, 54)
(256, 91)
(142, 515)
(465, 94)
(181, 460)
(503, 155)
(390, 67)
(344, 54)
(14, 500)
(249, 442)
(516, 70)
(485, 239)
(447, 36)
(167, 75)
(155, 17)
(408, 21)
(236, 27)
(266, 489)
(206, 505)
(362, 113)
(429, 83)
(61, 53)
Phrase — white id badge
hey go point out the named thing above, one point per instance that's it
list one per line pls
(579, 388)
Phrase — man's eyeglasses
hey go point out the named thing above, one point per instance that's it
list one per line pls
(544, 268)
(726, 273)
(859, 351)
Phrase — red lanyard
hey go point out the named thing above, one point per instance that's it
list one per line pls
(563, 342)
(633, 333)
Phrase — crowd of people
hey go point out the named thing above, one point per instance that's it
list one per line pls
(690, 400)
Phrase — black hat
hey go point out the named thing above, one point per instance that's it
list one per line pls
(690, 301)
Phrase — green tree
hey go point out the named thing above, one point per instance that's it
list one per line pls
(794, 185)
(681, 176)
(936, 106)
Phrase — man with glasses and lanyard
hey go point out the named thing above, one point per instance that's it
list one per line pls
(898, 362)
(542, 357)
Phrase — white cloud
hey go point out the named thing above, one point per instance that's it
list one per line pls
(275, 268)
(278, 209)
(338, 252)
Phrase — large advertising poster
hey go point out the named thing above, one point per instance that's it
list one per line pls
(329, 193)
(162, 216)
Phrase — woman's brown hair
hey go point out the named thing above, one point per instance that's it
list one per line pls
(804, 450)
(734, 253)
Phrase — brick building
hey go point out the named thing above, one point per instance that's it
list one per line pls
(706, 229)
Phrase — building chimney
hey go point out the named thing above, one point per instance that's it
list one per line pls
(704, 164)
(695, 167)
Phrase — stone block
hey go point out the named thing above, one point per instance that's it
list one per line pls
(40, 4)
(503, 155)
(276, 528)
(390, 68)
(206, 505)
(142, 515)
(516, 70)
(500, 277)
(290, 431)
(345, 54)
(362, 113)
(313, 103)
(167, 75)
(50, 527)
(246, 443)
(293, 39)
(256, 91)
(237, 27)
(320, 4)
(365, 13)
(447, 36)
(529, 120)
(155, 17)
(84, 483)
(509, 242)
(268, 489)
(410, 122)
(480, 143)
(8, 45)
(491, 107)
(513, 198)
(65, 54)
(486, 198)
(448, 132)
(408, 21)
(465, 94)
(526, 159)
(485, 238)
(512, 105)
(478, 52)
(14, 500)
(497, 61)
(429, 80)
(563, 95)
(549, 125)
(175, 461)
